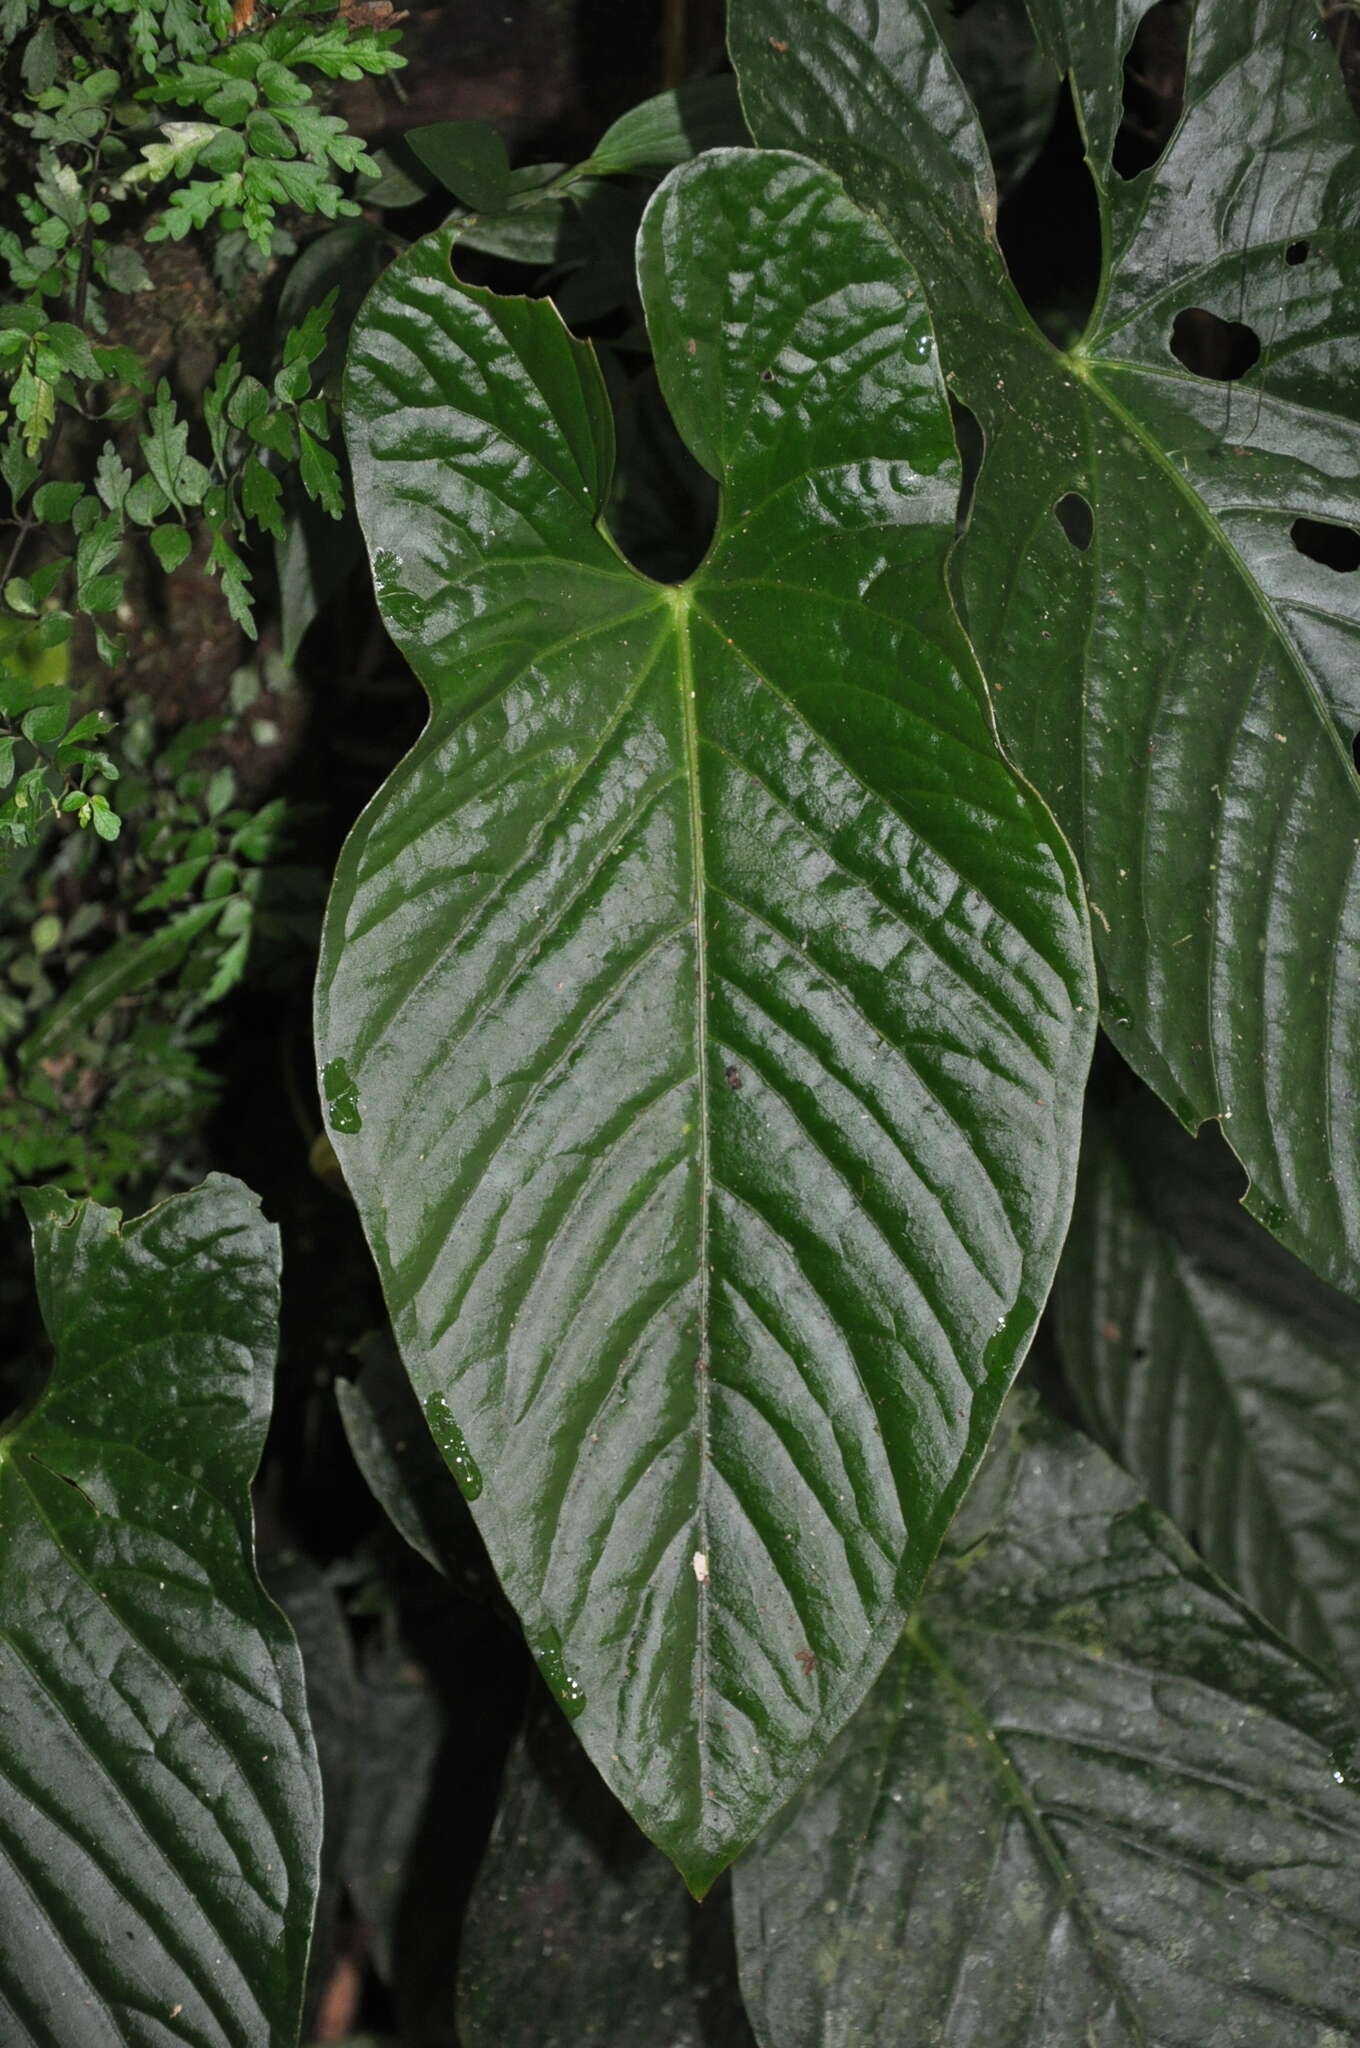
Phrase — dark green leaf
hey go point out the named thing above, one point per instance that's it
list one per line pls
(112, 478)
(106, 822)
(546, 232)
(131, 963)
(469, 160)
(235, 580)
(702, 1023)
(71, 348)
(56, 502)
(93, 725)
(312, 561)
(1172, 666)
(47, 721)
(320, 473)
(292, 382)
(247, 402)
(334, 1709)
(670, 129)
(262, 496)
(1011, 81)
(19, 319)
(39, 65)
(305, 341)
(395, 186)
(579, 1934)
(401, 1732)
(165, 445)
(159, 1805)
(1091, 1800)
(394, 1450)
(1219, 1370)
(144, 501)
(340, 264)
(273, 430)
(170, 545)
(438, 1721)
(17, 466)
(101, 593)
(122, 268)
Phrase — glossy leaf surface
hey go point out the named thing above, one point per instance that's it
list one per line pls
(579, 1934)
(1091, 1800)
(468, 159)
(403, 1470)
(703, 1007)
(1171, 665)
(159, 1805)
(670, 129)
(1219, 1370)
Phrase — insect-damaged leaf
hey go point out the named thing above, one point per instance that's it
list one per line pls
(703, 1006)
(1159, 571)
(159, 1805)
(1091, 1800)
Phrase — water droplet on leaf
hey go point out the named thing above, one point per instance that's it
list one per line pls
(453, 1446)
(547, 1650)
(342, 1097)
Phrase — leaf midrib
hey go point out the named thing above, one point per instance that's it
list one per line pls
(1130, 421)
(1019, 1797)
(679, 601)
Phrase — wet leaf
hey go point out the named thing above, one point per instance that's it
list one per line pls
(703, 1021)
(1092, 1799)
(403, 1470)
(159, 1804)
(1170, 663)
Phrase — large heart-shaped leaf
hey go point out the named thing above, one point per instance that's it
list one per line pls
(1170, 662)
(159, 1806)
(1092, 1800)
(1221, 1371)
(703, 1004)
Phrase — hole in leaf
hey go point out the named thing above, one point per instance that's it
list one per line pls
(1223, 349)
(1049, 231)
(1297, 252)
(663, 508)
(1336, 547)
(972, 445)
(1154, 87)
(1075, 517)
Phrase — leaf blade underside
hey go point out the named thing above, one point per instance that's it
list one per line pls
(709, 1119)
